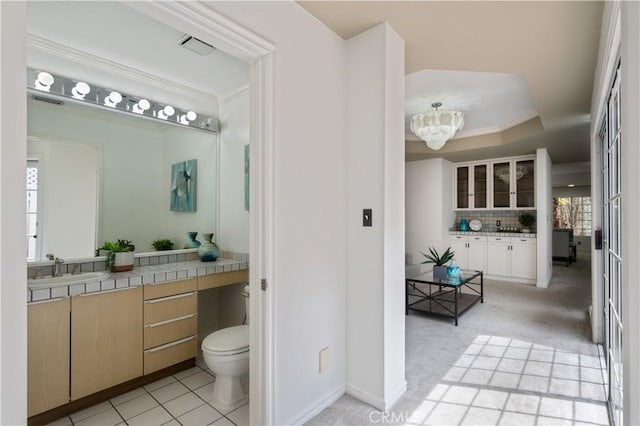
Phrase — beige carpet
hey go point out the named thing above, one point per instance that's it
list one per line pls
(524, 356)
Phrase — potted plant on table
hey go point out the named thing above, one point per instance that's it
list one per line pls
(122, 256)
(439, 261)
(526, 220)
(162, 244)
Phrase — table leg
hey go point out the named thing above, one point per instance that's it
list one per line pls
(406, 297)
(481, 287)
(456, 305)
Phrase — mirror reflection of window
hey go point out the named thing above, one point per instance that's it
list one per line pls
(32, 209)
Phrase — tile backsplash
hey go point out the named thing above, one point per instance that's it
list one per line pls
(146, 259)
(508, 219)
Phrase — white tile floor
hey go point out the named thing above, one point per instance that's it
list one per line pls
(181, 399)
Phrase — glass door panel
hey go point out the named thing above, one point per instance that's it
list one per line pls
(501, 184)
(525, 183)
(480, 186)
(462, 187)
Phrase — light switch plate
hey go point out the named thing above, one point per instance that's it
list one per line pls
(324, 359)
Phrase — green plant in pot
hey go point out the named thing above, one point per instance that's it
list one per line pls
(122, 256)
(439, 261)
(527, 220)
(163, 244)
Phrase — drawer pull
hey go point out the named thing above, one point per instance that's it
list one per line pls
(164, 299)
(173, 281)
(157, 324)
(168, 345)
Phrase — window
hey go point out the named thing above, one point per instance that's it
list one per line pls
(574, 213)
(32, 208)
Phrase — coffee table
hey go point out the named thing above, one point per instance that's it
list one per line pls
(445, 296)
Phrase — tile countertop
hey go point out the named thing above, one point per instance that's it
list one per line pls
(495, 234)
(138, 276)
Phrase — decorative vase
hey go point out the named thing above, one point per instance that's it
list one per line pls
(464, 225)
(208, 251)
(453, 270)
(192, 242)
(439, 272)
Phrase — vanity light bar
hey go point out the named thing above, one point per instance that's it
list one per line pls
(39, 81)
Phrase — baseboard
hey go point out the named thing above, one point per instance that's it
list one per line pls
(509, 279)
(366, 397)
(323, 402)
(395, 396)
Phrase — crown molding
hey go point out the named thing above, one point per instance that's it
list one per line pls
(46, 46)
(240, 90)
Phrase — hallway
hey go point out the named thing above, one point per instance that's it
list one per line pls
(525, 356)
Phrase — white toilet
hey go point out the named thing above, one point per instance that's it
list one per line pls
(226, 353)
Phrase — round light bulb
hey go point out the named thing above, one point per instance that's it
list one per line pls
(115, 97)
(45, 78)
(169, 110)
(144, 104)
(191, 116)
(82, 88)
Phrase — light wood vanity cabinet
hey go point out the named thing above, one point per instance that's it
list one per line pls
(106, 342)
(170, 323)
(48, 354)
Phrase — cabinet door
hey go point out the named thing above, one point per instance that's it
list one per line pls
(462, 187)
(47, 355)
(501, 179)
(106, 340)
(524, 178)
(480, 187)
(459, 246)
(523, 260)
(498, 258)
(477, 255)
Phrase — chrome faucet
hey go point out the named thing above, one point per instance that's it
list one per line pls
(57, 262)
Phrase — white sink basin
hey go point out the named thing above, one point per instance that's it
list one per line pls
(67, 279)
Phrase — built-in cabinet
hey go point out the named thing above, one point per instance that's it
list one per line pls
(48, 337)
(106, 340)
(505, 183)
(170, 323)
(511, 258)
(470, 251)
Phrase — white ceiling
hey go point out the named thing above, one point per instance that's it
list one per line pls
(551, 45)
(112, 32)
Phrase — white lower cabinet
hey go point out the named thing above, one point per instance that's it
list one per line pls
(470, 251)
(512, 257)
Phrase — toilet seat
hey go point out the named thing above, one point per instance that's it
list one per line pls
(228, 341)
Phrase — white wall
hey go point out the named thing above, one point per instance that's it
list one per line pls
(13, 274)
(544, 207)
(68, 177)
(630, 176)
(135, 178)
(234, 135)
(429, 208)
(309, 241)
(375, 314)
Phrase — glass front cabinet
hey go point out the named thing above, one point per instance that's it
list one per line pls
(472, 186)
(505, 183)
(513, 184)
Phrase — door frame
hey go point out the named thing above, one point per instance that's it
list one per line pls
(210, 26)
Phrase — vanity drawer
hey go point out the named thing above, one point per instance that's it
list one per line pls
(172, 353)
(222, 279)
(153, 291)
(170, 307)
(499, 239)
(167, 331)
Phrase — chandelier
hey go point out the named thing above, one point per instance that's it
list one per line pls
(503, 174)
(436, 127)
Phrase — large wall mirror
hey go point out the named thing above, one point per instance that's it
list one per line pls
(104, 175)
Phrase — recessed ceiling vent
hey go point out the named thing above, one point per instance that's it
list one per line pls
(47, 100)
(195, 45)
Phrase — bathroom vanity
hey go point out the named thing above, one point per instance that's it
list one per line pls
(92, 340)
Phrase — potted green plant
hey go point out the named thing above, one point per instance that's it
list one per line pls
(162, 244)
(439, 261)
(526, 220)
(122, 256)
